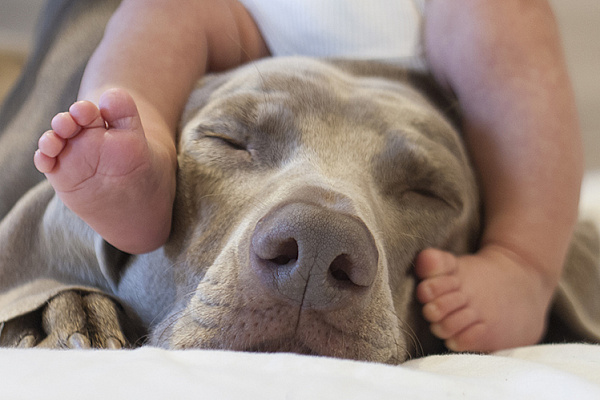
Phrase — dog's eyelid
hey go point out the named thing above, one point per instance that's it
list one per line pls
(426, 193)
(441, 193)
(222, 129)
(431, 194)
(201, 132)
(234, 143)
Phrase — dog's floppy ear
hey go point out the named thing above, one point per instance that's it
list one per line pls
(370, 68)
(422, 81)
(112, 261)
(201, 95)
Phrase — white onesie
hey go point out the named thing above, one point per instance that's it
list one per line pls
(385, 30)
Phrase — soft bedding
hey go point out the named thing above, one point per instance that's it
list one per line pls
(569, 371)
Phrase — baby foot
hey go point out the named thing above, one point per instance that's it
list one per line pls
(105, 170)
(485, 302)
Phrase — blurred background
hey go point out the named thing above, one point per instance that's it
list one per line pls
(579, 22)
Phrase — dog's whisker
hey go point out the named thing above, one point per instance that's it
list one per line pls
(167, 325)
(243, 50)
(417, 345)
(159, 317)
(172, 317)
(410, 334)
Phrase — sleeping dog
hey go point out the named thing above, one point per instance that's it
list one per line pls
(305, 190)
(315, 188)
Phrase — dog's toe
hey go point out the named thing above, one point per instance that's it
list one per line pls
(104, 322)
(27, 342)
(78, 341)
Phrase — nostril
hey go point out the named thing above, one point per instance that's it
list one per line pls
(354, 269)
(338, 268)
(286, 251)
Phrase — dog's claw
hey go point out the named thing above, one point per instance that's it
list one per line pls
(113, 344)
(27, 342)
(79, 341)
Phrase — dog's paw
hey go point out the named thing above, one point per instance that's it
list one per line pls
(72, 320)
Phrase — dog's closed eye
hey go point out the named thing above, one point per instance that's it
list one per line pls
(432, 195)
(212, 146)
(227, 140)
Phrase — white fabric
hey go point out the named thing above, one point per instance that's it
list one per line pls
(540, 372)
(378, 29)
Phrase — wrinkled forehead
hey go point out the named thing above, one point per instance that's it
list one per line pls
(308, 86)
(311, 86)
(298, 89)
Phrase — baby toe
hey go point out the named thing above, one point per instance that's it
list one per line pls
(455, 323)
(470, 339)
(445, 305)
(64, 125)
(431, 289)
(86, 114)
(50, 144)
(119, 109)
(43, 163)
(433, 262)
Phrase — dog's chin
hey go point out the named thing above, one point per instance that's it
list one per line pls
(348, 351)
(310, 336)
(283, 345)
(293, 345)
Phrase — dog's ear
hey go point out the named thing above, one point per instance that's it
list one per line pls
(443, 99)
(200, 96)
(369, 68)
(112, 261)
(422, 81)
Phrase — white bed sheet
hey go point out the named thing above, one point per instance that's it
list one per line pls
(567, 371)
(539, 372)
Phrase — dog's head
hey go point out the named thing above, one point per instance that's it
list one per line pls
(305, 191)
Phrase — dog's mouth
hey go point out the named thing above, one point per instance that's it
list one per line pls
(283, 345)
(292, 345)
(348, 348)
(284, 329)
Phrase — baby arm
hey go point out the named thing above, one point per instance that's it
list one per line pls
(504, 62)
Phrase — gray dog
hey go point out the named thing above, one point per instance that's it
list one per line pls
(305, 190)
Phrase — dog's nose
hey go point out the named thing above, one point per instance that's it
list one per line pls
(313, 256)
